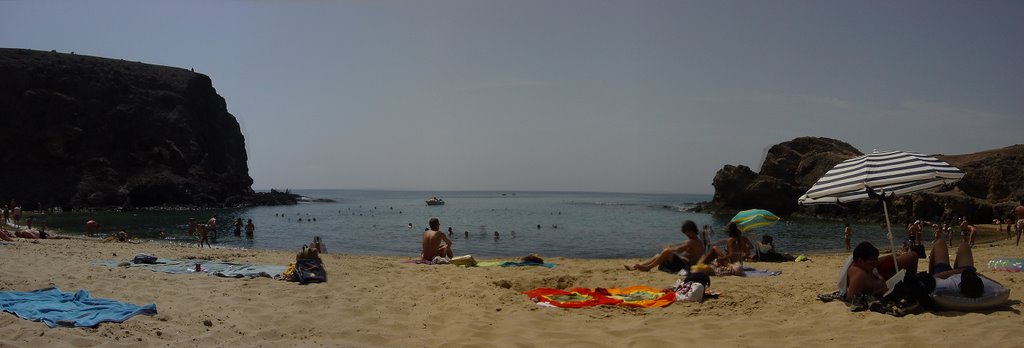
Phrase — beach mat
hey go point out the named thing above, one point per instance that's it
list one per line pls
(55, 308)
(214, 268)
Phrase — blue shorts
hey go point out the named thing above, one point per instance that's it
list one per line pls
(943, 267)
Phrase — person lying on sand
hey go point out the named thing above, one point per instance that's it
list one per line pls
(673, 258)
(6, 236)
(861, 277)
(432, 246)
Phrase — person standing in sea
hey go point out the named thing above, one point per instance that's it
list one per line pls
(238, 227)
(91, 227)
(191, 227)
(249, 229)
(705, 237)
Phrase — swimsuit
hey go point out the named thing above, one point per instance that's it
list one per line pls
(675, 264)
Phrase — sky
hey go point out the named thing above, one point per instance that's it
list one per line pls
(548, 95)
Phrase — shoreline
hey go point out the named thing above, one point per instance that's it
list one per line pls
(378, 301)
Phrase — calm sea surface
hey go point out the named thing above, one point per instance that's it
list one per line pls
(571, 224)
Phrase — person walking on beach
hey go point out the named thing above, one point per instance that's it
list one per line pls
(249, 229)
(201, 230)
(211, 225)
(677, 257)
(435, 243)
(191, 227)
(1018, 212)
(847, 234)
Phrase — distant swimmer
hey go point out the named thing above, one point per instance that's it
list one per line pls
(249, 229)
(513, 234)
(450, 231)
(538, 227)
(410, 225)
(467, 234)
(496, 235)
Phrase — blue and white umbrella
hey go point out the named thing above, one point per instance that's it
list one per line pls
(878, 175)
(890, 172)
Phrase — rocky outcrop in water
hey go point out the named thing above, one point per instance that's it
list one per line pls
(84, 131)
(993, 182)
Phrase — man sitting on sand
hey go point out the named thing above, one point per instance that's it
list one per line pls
(674, 258)
(432, 245)
(862, 278)
(962, 279)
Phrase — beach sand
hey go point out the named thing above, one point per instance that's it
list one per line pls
(378, 301)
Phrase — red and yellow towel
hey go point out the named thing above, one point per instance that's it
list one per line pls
(633, 296)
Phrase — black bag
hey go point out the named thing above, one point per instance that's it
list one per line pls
(309, 271)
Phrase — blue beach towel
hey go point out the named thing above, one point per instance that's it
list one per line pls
(215, 268)
(55, 308)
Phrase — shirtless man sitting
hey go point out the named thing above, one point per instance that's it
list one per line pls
(676, 257)
(861, 277)
(432, 245)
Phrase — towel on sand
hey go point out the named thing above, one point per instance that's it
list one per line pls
(216, 268)
(55, 308)
(751, 272)
(633, 296)
(513, 264)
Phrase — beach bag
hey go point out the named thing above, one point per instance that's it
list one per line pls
(309, 271)
(464, 260)
(144, 258)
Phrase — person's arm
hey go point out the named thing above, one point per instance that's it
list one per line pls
(860, 282)
(445, 238)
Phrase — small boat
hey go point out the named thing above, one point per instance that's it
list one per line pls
(435, 201)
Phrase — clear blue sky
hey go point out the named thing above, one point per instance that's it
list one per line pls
(630, 96)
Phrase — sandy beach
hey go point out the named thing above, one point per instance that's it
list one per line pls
(378, 301)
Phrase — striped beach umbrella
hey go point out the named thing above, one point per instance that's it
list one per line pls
(879, 175)
(890, 172)
(753, 218)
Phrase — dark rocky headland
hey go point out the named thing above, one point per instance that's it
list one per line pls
(86, 132)
(992, 184)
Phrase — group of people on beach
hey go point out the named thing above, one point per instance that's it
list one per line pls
(699, 254)
(204, 232)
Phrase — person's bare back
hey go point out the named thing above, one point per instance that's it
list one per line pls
(432, 242)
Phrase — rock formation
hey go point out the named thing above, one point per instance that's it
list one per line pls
(993, 181)
(82, 131)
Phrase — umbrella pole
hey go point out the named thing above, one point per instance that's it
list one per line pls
(888, 226)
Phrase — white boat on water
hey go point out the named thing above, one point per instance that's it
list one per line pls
(435, 201)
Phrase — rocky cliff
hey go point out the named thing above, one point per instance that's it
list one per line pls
(80, 131)
(993, 181)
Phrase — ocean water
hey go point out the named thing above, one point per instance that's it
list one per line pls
(569, 224)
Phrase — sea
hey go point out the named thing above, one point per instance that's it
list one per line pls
(485, 224)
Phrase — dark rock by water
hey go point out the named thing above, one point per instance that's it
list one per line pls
(81, 131)
(993, 182)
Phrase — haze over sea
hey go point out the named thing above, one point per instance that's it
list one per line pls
(572, 224)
